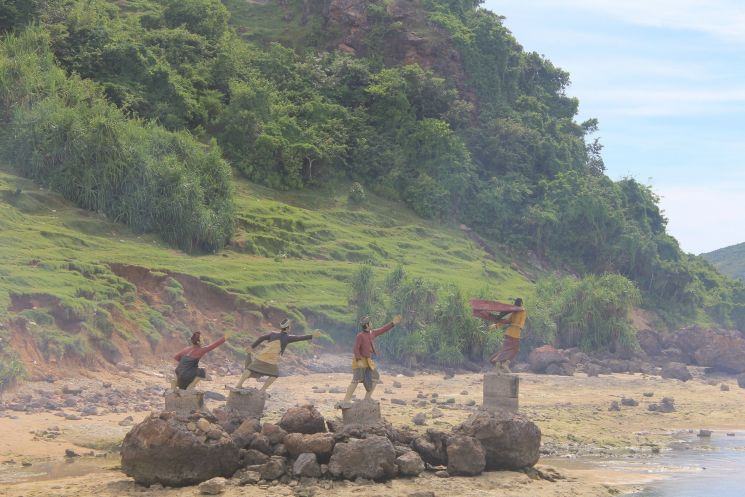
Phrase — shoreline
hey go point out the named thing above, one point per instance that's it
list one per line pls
(572, 413)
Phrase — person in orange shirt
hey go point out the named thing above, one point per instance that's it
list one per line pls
(511, 345)
(363, 367)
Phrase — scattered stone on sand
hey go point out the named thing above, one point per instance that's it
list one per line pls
(741, 380)
(213, 486)
(128, 421)
(397, 384)
(677, 371)
(422, 494)
(648, 394)
(436, 413)
(724, 387)
(419, 419)
(398, 402)
(442, 474)
(614, 406)
(704, 433)
(628, 401)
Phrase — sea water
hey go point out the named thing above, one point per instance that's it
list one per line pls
(700, 467)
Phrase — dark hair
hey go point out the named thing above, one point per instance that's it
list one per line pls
(196, 337)
(519, 302)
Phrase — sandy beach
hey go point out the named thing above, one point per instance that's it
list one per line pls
(572, 412)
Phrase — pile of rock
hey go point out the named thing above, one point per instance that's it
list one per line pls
(174, 450)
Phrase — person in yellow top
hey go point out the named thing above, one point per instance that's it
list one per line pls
(511, 345)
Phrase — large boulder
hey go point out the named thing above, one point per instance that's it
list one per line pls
(432, 447)
(372, 458)
(677, 371)
(649, 341)
(409, 464)
(466, 456)
(163, 450)
(509, 441)
(711, 347)
(320, 444)
(542, 357)
(303, 419)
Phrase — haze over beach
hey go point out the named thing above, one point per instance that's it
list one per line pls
(665, 79)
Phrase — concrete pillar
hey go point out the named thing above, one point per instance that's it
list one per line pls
(247, 402)
(184, 401)
(501, 392)
(361, 412)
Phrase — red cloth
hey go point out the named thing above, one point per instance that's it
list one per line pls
(196, 351)
(364, 344)
(510, 349)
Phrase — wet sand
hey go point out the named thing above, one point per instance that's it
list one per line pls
(571, 411)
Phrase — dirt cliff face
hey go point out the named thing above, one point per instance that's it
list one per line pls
(399, 29)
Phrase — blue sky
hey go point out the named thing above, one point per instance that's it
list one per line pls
(666, 79)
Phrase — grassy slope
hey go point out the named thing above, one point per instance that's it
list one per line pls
(292, 250)
(729, 261)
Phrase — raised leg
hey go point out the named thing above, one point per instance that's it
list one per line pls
(368, 395)
(193, 384)
(246, 374)
(350, 391)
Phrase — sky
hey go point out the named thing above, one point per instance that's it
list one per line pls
(666, 80)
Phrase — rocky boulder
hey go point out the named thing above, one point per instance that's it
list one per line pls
(677, 371)
(372, 458)
(466, 456)
(306, 465)
(409, 464)
(649, 341)
(710, 347)
(542, 357)
(320, 444)
(741, 380)
(303, 419)
(509, 441)
(432, 448)
(163, 450)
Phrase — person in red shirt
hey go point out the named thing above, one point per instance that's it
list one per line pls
(188, 374)
(363, 367)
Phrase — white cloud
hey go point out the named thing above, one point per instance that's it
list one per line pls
(668, 101)
(721, 18)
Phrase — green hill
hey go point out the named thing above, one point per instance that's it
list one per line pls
(729, 260)
(218, 165)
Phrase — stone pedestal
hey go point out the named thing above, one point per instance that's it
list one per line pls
(501, 392)
(247, 402)
(361, 412)
(184, 401)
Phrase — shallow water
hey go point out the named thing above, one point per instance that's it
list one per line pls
(692, 467)
(703, 467)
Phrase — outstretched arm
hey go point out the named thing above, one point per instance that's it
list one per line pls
(299, 338)
(488, 316)
(199, 353)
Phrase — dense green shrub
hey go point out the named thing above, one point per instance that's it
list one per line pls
(61, 132)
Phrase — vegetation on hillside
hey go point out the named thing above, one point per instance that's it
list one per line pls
(729, 260)
(137, 109)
